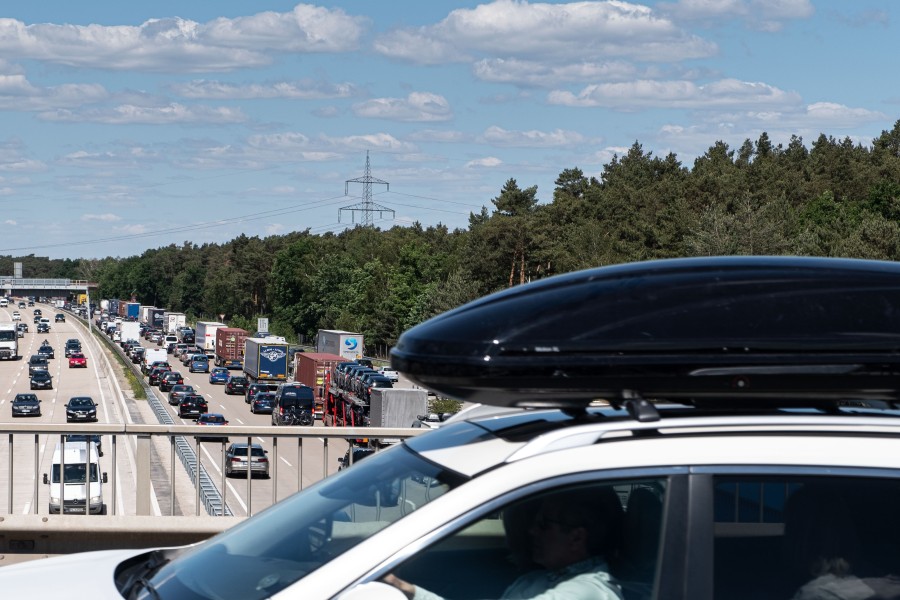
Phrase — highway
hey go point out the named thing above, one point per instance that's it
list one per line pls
(295, 463)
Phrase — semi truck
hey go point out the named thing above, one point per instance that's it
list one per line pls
(133, 311)
(129, 330)
(145, 314)
(155, 318)
(311, 369)
(205, 336)
(9, 341)
(265, 360)
(173, 321)
(343, 343)
(386, 407)
(230, 347)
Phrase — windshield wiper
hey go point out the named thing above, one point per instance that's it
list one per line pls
(142, 582)
(141, 579)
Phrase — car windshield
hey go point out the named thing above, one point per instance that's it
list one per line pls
(80, 402)
(300, 534)
(7, 335)
(75, 473)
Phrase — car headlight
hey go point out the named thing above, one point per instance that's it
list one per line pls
(54, 499)
(96, 499)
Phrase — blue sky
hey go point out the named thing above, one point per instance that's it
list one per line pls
(126, 126)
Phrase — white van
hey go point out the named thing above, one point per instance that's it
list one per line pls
(79, 458)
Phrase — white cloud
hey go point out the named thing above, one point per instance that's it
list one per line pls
(553, 33)
(17, 93)
(488, 161)
(766, 15)
(179, 45)
(830, 114)
(417, 106)
(294, 90)
(498, 136)
(291, 145)
(274, 229)
(10, 222)
(21, 164)
(676, 94)
(147, 115)
(536, 73)
(105, 218)
(438, 135)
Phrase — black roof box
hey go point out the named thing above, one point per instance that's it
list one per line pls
(698, 327)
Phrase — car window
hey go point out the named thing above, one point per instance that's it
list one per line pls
(814, 537)
(595, 540)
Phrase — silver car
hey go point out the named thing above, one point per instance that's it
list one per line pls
(236, 459)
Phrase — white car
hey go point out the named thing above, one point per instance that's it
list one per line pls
(390, 373)
(672, 430)
(16, 316)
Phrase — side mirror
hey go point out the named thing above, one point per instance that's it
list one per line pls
(46, 479)
(105, 478)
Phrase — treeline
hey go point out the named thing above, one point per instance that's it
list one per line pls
(835, 198)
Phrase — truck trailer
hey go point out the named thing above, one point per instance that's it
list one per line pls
(386, 407)
(311, 369)
(173, 321)
(205, 336)
(133, 311)
(129, 330)
(265, 360)
(343, 343)
(230, 347)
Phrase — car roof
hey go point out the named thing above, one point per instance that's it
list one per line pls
(723, 330)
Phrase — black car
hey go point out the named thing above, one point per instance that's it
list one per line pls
(236, 384)
(156, 375)
(169, 380)
(255, 388)
(41, 380)
(26, 405)
(43, 327)
(192, 405)
(81, 408)
(72, 347)
(37, 363)
(178, 392)
(46, 350)
(262, 403)
(60, 318)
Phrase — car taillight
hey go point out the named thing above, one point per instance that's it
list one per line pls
(262, 459)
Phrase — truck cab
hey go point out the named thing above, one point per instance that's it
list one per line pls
(75, 479)
(9, 341)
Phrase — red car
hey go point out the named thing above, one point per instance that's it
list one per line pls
(77, 360)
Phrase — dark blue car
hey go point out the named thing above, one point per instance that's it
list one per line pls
(218, 375)
(262, 403)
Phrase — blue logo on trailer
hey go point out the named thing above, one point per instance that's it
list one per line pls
(351, 343)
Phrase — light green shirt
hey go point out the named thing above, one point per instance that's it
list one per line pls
(586, 580)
